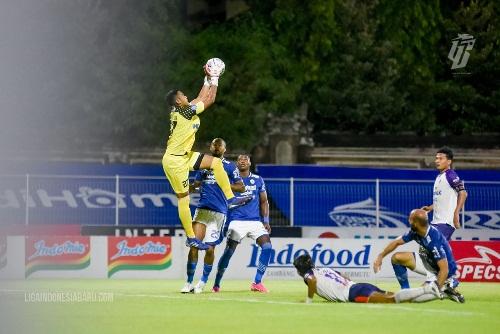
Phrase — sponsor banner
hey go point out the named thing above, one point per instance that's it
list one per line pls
(390, 233)
(139, 253)
(56, 253)
(477, 261)
(352, 203)
(92, 200)
(352, 257)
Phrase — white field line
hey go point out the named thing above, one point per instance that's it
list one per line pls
(250, 300)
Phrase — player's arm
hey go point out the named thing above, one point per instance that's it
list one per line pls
(206, 96)
(428, 208)
(388, 249)
(442, 275)
(462, 196)
(264, 210)
(311, 282)
(203, 92)
(238, 186)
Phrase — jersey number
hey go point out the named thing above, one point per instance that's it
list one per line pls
(173, 124)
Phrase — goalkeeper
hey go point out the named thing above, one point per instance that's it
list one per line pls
(178, 159)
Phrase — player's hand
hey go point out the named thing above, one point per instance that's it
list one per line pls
(267, 227)
(435, 290)
(377, 264)
(456, 220)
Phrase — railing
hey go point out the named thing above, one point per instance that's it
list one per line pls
(146, 200)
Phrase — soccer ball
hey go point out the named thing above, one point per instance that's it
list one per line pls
(215, 67)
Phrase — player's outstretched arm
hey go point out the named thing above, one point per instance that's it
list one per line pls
(443, 272)
(311, 288)
(388, 249)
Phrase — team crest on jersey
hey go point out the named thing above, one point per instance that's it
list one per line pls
(196, 126)
(252, 181)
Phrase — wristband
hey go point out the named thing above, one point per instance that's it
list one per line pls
(214, 81)
(206, 82)
(265, 220)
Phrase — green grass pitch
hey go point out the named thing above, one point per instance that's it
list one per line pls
(156, 306)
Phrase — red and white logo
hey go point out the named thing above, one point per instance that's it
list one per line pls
(477, 261)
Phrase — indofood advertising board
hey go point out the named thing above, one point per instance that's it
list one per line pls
(165, 258)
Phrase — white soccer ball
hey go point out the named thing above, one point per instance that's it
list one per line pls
(215, 67)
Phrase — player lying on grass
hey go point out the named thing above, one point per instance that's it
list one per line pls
(331, 285)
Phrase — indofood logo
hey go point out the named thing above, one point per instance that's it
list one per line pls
(321, 256)
(87, 197)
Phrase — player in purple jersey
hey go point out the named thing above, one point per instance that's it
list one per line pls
(210, 214)
(333, 286)
(434, 256)
(448, 195)
(251, 220)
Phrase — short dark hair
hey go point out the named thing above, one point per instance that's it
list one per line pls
(446, 151)
(303, 264)
(171, 96)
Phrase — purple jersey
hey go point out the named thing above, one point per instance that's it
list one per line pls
(446, 189)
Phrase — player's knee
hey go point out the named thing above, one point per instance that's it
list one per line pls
(396, 258)
(210, 251)
(193, 253)
(266, 245)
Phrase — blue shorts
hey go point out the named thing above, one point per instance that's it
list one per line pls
(360, 292)
(445, 229)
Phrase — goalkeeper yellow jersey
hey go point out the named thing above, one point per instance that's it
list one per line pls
(184, 122)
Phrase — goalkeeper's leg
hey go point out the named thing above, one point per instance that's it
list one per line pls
(215, 164)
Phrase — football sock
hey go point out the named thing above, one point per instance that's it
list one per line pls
(190, 270)
(401, 275)
(408, 294)
(424, 298)
(264, 257)
(185, 216)
(222, 265)
(207, 268)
